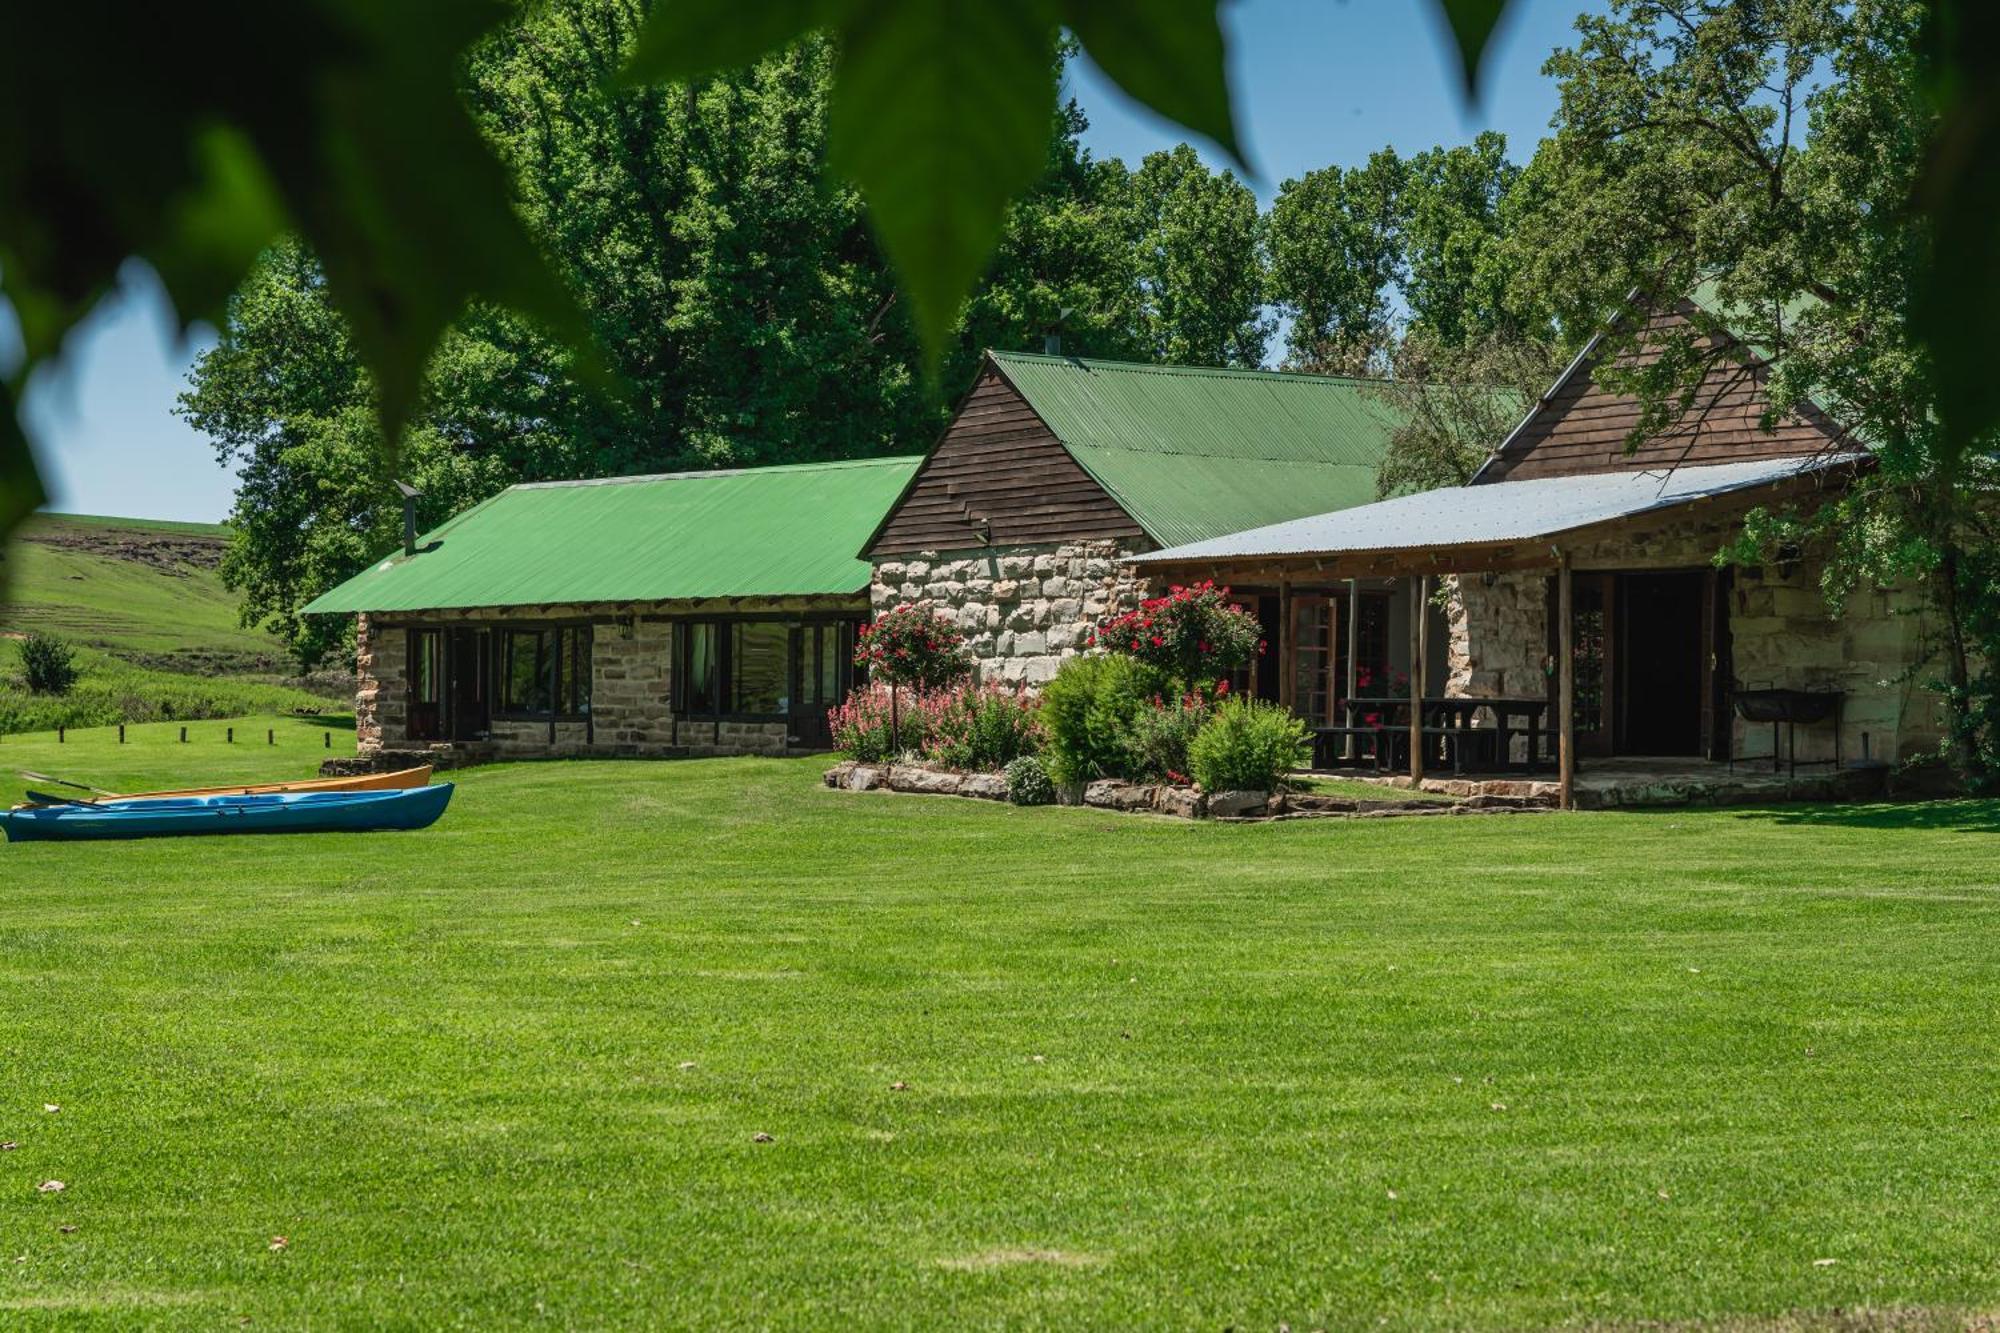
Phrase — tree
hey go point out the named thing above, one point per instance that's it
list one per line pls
(359, 140)
(1066, 262)
(1200, 265)
(1454, 403)
(1457, 277)
(1761, 155)
(735, 295)
(1336, 252)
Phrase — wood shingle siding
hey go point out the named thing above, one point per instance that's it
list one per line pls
(1581, 427)
(1000, 477)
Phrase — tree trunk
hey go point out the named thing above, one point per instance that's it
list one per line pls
(1965, 754)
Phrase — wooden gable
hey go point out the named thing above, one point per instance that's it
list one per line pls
(999, 477)
(1580, 427)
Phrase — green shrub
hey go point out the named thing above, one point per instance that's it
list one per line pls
(1161, 734)
(1028, 782)
(1089, 715)
(1248, 745)
(982, 728)
(48, 663)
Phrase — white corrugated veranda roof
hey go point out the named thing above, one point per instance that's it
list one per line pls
(1499, 512)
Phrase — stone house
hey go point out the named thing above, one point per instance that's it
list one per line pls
(1054, 471)
(690, 613)
(1663, 651)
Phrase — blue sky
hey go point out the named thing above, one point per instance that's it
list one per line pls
(1318, 82)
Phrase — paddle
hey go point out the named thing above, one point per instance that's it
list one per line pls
(63, 782)
(50, 798)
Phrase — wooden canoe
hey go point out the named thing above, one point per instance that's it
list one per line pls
(400, 780)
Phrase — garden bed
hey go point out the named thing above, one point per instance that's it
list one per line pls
(1182, 802)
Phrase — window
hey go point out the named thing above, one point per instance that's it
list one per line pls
(541, 668)
(761, 668)
(698, 674)
(425, 717)
(760, 660)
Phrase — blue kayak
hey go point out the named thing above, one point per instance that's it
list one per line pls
(280, 812)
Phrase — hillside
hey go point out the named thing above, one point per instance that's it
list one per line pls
(156, 632)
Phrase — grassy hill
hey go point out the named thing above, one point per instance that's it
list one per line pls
(156, 632)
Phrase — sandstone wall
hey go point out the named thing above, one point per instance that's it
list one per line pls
(631, 681)
(1023, 609)
(1782, 636)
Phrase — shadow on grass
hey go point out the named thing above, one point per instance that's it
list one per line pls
(324, 721)
(1964, 816)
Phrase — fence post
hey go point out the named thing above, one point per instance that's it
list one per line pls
(60, 737)
(232, 736)
(184, 735)
(329, 739)
(271, 736)
(121, 733)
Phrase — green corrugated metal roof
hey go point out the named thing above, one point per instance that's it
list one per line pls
(1192, 452)
(760, 532)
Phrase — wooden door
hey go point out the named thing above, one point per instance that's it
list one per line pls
(1593, 618)
(468, 674)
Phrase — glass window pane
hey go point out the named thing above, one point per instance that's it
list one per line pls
(527, 682)
(828, 637)
(698, 668)
(762, 667)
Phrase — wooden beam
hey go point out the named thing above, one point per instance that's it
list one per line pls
(1417, 645)
(1287, 649)
(1566, 677)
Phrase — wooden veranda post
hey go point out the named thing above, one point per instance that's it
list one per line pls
(1419, 595)
(1286, 648)
(1566, 681)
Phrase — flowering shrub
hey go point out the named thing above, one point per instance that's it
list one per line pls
(982, 727)
(1194, 634)
(957, 726)
(1248, 745)
(910, 645)
(1161, 735)
(1028, 782)
(861, 726)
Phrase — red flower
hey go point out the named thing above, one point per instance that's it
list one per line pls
(1222, 686)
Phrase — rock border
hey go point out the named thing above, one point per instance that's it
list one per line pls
(1166, 799)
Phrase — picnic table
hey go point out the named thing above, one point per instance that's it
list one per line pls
(1450, 721)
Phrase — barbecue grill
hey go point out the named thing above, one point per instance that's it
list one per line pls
(1790, 709)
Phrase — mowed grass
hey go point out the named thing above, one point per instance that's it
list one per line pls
(1493, 1072)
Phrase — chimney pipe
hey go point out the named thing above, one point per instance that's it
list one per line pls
(410, 496)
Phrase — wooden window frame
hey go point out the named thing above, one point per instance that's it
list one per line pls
(797, 669)
(559, 674)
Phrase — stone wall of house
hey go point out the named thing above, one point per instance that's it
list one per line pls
(1782, 636)
(379, 699)
(631, 681)
(1023, 609)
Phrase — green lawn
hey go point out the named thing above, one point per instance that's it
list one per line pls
(1494, 1072)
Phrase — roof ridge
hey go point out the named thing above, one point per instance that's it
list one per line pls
(1182, 368)
(817, 465)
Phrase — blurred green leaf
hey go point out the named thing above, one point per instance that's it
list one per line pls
(20, 487)
(1472, 23)
(1956, 305)
(1170, 54)
(941, 113)
(190, 136)
(686, 38)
